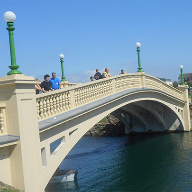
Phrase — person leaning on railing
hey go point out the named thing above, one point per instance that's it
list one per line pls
(38, 88)
(97, 75)
(46, 84)
(106, 74)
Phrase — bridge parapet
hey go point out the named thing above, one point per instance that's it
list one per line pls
(3, 127)
(155, 83)
(54, 103)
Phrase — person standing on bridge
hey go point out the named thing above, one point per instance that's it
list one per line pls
(106, 74)
(46, 84)
(97, 75)
(92, 78)
(122, 72)
(55, 82)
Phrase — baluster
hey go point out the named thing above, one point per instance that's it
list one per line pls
(45, 106)
(54, 105)
(88, 94)
(48, 106)
(100, 90)
(57, 102)
(80, 96)
(91, 93)
(63, 101)
(75, 92)
(105, 88)
(41, 108)
(111, 84)
(38, 108)
(1, 121)
(95, 91)
(85, 95)
(60, 102)
(51, 104)
(69, 100)
(66, 100)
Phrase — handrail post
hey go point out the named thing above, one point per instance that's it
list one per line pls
(72, 98)
(113, 84)
(142, 79)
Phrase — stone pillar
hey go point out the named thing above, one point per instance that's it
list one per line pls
(186, 110)
(18, 93)
(64, 84)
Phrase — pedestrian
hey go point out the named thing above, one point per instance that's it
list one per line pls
(122, 72)
(97, 75)
(55, 82)
(92, 78)
(46, 84)
(38, 88)
(106, 74)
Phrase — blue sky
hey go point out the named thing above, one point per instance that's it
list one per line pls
(98, 34)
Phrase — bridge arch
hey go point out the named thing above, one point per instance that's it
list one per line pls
(72, 129)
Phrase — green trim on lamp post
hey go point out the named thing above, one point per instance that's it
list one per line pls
(10, 17)
(61, 56)
(138, 45)
(182, 80)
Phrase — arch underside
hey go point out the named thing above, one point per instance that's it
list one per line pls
(151, 111)
(148, 116)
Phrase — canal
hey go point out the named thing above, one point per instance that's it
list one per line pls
(155, 162)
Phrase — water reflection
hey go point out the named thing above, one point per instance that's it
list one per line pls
(155, 162)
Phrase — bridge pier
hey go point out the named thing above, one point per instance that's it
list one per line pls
(186, 110)
(24, 168)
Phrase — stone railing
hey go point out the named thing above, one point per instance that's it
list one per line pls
(3, 129)
(155, 83)
(56, 102)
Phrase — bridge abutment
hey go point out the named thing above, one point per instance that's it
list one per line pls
(18, 94)
(186, 110)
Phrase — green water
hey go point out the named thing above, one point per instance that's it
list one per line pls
(159, 162)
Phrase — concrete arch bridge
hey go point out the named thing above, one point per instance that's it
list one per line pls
(30, 123)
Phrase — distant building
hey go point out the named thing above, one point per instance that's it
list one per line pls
(168, 81)
(187, 77)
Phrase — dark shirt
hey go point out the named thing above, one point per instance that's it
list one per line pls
(97, 74)
(46, 85)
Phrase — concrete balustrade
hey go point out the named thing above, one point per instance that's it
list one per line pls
(3, 127)
(57, 102)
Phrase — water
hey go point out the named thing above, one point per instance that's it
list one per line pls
(159, 162)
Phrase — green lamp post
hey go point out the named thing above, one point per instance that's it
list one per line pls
(182, 81)
(61, 56)
(10, 17)
(138, 45)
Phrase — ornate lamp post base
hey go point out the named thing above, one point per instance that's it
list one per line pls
(140, 70)
(14, 70)
(63, 79)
